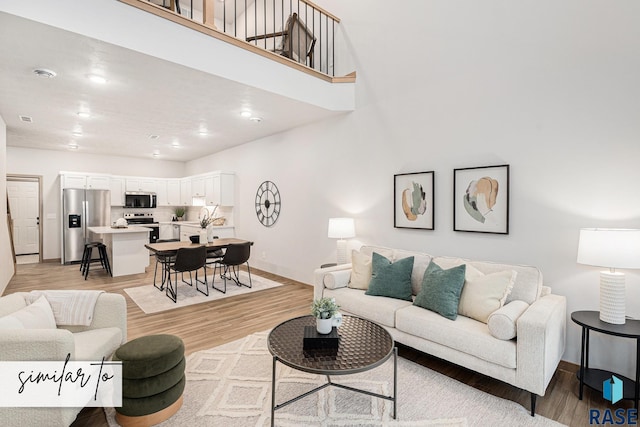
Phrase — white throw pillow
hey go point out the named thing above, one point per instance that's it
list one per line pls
(336, 279)
(360, 270)
(484, 294)
(37, 315)
(503, 323)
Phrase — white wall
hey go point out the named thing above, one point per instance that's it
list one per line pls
(6, 260)
(547, 87)
(48, 164)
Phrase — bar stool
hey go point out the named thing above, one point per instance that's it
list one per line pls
(87, 258)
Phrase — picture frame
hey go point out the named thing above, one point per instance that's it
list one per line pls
(413, 198)
(481, 199)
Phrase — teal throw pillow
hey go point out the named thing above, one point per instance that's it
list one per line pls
(389, 279)
(441, 290)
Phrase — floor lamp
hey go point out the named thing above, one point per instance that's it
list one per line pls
(341, 229)
(611, 248)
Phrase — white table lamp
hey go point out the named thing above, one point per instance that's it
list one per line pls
(341, 229)
(611, 248)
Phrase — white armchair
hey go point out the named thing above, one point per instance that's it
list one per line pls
(107, 331)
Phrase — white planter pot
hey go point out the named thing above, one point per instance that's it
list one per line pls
(324, 325)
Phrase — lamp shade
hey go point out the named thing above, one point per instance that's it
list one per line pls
(341, 228)
(609, 247)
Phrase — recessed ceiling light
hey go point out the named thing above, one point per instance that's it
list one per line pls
(255, 119)
(76, 133)
(156, 155)
(72, 146)
(43, 72)
(175, 144)
(84, 114)
(246, 114)
(97, 79)
(203, 133)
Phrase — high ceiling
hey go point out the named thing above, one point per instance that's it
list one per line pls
(147, 106)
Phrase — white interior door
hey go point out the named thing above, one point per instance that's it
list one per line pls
(23, 201)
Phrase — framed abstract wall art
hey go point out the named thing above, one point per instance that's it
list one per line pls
(481, 199)
(413, 200)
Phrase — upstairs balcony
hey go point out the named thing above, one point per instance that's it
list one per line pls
(289, 31)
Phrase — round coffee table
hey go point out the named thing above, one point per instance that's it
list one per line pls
(363, 345)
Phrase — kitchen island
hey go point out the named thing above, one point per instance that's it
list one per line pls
(125, 248)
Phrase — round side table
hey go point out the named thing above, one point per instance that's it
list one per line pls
(593, 378)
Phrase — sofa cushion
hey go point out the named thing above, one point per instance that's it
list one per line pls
(336, 279)
(97, 343)
(420, 263)
(37, 315)
(441, 290)
(464, 334)
(527, 286)
(484, 294)
(503, 323)
(390, 279)
(12, 302)
(381, 310)
(360, 270)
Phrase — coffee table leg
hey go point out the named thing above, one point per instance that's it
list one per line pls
(395, 382)
(273, 391)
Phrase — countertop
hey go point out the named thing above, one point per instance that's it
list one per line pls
(191, 224)
(108, 230)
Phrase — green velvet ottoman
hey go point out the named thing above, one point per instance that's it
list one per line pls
(152, 379)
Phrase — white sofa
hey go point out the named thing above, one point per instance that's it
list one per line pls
(106, 332)
(527, 361)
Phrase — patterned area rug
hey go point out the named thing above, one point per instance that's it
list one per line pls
(230, 386)
(152, 300)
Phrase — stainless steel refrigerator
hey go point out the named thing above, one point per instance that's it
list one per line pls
(82, 209)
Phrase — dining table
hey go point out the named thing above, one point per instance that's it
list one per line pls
(171, 248)
(168, 250)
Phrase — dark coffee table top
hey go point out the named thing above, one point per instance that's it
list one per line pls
(363, 346)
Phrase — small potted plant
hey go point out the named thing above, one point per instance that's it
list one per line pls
(179, 212)
(325, 310)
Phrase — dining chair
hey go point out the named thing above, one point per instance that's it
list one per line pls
(229, 266)
(187, 260)
(297, 41)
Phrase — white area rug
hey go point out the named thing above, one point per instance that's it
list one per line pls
(230, 386)
(151, 300)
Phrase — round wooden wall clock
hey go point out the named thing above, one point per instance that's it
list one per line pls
(267, 203)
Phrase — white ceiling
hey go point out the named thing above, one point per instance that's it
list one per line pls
(143, 96)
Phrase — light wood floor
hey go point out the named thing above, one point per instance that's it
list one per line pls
(211, 324)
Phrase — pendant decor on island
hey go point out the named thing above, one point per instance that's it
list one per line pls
(267, 203)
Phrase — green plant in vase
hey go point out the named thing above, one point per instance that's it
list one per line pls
(179, 212)
(325, 310)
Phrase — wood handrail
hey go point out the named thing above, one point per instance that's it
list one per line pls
(217, 34)
(315, 6)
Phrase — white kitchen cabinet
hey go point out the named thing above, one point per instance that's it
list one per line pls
(169, 231)
(220, 188)
(116, 185)
(86, 181)
(98, 182)
(173, 192)
(147, 185)
(73, 181)
(185, 192)
(197, 186)
(161, 192)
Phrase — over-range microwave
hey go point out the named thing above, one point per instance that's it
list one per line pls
(135, 199)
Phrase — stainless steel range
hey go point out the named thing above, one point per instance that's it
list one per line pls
(147, 220)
